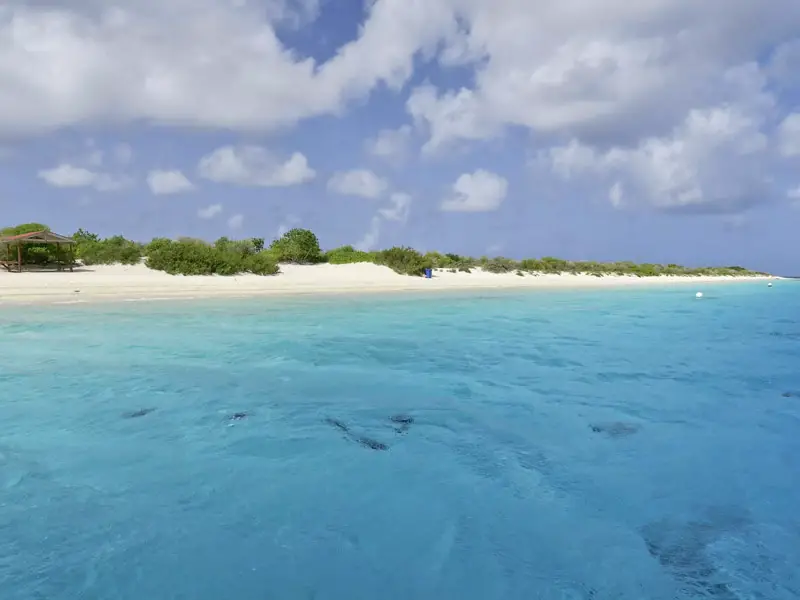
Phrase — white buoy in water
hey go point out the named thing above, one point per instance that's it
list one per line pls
(698, 295)
(769, 284)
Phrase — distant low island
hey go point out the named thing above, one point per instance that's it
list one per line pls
(191, 256)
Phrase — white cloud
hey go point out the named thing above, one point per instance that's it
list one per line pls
(254, 166)
(616, 194)
(370, 239)
(210, 211)
(453, 116)
(789, 135)
(714, 161)
(391, 145)
(398, 209)
(236, 221)
(123, 154)
(95, 158)
(597, 71)
(168, 182)
(69, 176)
(288, 223)
(205, 63)
(358, 182)
(481, 191)
(610, 74)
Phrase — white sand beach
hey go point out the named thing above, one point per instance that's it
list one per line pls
(137, 282)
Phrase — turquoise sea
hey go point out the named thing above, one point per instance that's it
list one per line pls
(611, 445)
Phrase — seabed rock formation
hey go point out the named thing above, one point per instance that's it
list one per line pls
(134, 414)
(615, 429)
(681, 548)
(402, 422)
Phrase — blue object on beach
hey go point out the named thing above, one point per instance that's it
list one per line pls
(428, 273)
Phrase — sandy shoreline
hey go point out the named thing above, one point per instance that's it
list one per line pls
(137, 282)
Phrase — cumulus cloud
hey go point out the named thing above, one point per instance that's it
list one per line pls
(168, 182)
(236, 221)
(254, 166)
(68, 176)
(609, 74)
(789, 135)
(714, 161)
(358, 182)
(123, 154)
(210, 211)
(391, 145)
(397, 211)
(481, 191)
(369, 241)
(68, 62)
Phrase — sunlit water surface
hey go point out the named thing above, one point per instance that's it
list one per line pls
(614, 445)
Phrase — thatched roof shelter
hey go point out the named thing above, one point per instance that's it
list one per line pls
(34, 237)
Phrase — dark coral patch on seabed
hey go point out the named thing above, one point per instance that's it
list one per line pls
(681, 548)
(366, 442)
(403, 421)
(615, 429)
(138, 413)
(371, 444)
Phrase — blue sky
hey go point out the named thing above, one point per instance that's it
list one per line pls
(661, 131)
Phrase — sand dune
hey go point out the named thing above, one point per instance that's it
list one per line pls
(119, 282)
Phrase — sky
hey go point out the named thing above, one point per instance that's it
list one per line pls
(656, 130)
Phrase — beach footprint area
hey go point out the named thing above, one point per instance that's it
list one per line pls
(614, 445)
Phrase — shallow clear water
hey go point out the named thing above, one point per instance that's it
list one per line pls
(565, 445)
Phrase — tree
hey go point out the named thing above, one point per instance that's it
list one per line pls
(39, 254)
(82, 236)
(297, 246)
(24, 228)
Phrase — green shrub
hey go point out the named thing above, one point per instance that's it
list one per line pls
(297, 246)
(115, 249)
(156, 244)
(405, 261)
(82, 236)
(195, 257)
(244, 247)
(347, 255)
(499, 265)
(262, 263)
(184, 257)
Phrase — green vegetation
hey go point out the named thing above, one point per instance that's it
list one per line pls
(299, 246)
(32, 254)
(405, 261)
(345, 255)
(225, 257)
(189, 256)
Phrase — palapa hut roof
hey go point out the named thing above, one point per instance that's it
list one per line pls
(36, 237)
